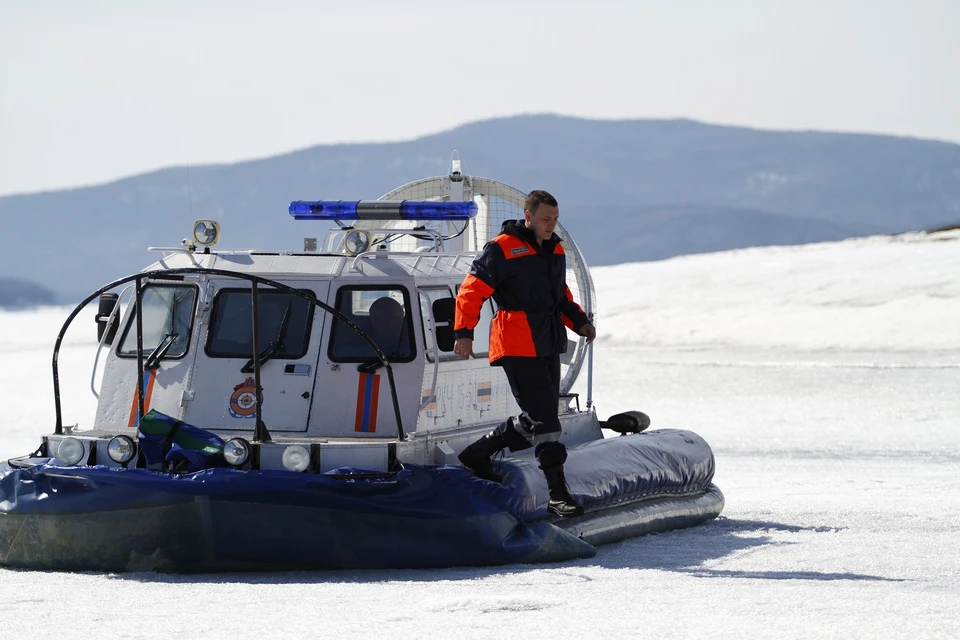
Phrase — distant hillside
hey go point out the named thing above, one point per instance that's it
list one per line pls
(656, 233)
(15, 293)
(637, 189)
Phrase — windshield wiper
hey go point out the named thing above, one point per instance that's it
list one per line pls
(153, 360)
(271, 349)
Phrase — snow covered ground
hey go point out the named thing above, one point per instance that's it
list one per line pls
(827, 379)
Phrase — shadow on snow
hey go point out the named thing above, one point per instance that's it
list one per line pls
(683, 551)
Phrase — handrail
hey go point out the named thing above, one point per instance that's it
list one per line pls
(354, 264)
(171, 249)
(589, 375)
(165, 274)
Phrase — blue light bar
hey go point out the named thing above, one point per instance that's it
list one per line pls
(382, 210)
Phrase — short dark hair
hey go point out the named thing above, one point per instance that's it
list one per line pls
(537, 198)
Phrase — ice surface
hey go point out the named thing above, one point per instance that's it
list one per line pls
(827, 379)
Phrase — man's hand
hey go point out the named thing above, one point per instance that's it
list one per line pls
(463, 347)
(589, 332)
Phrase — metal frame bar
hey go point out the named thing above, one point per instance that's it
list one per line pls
(165, 274)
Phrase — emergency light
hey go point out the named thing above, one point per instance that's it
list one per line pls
(382, 210)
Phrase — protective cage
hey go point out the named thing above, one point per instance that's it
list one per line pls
(496, 203)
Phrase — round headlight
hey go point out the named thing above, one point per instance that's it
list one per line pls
(236, 451)
(296, 458)
(121, 449)
(69, 452)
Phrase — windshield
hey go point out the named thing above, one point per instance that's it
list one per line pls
(167, 315)
(285, 320)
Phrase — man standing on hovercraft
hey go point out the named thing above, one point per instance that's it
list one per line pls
(524, 269)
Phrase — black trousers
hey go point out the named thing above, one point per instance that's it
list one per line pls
(535, 383)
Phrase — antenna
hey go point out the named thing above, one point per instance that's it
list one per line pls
(189, 190)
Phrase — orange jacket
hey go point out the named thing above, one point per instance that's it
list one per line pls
(528, 282)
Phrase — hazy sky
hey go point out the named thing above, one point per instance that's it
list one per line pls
(92, 91)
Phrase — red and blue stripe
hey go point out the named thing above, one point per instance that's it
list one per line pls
(149, 377)
(368, 394)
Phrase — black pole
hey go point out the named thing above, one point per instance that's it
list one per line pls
(138, 309)
(260, 433)
(396, 403)
(58, 427)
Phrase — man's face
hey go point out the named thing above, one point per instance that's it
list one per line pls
(543, 222)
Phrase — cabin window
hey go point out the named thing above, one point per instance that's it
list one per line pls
(427, 297)
(285, 320)
(481, 333)
(167, 320)
(383, 313)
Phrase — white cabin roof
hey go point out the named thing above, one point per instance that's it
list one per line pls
(296, 265)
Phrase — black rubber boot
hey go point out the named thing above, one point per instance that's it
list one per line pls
(560, 503)
(476, 457)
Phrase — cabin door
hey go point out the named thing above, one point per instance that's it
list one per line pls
(290, 329)
(353, 391)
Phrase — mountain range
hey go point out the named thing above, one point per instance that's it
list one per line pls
(629, 190)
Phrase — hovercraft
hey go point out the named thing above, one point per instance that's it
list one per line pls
(255, 413)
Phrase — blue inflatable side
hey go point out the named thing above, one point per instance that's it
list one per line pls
(221, 519)
(614, 471)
